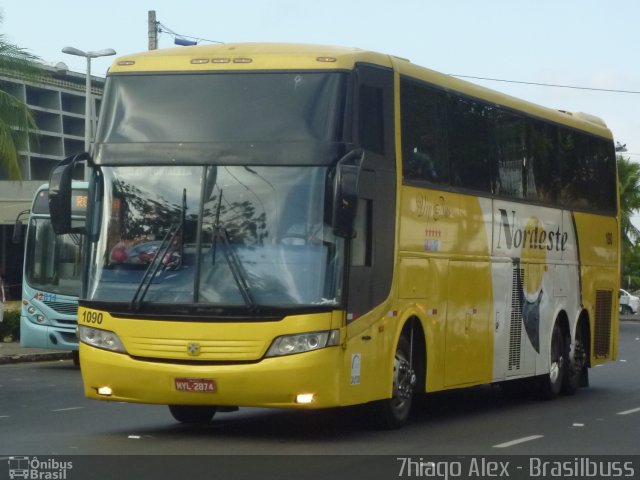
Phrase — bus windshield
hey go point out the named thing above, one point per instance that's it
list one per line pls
(243, 236)
(223, 118)
(52, 262)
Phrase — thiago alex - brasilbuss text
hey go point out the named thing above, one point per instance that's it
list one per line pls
(580, 467)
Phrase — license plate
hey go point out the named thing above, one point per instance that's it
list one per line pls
(198, 385)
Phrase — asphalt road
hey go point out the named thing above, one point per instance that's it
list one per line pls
(43, 412)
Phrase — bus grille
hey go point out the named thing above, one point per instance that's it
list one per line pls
(209, 350)
(515, 335)
(602, 336)
(65, 308)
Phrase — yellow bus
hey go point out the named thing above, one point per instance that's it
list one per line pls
(310, 226)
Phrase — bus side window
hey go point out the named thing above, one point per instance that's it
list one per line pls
(424, 133)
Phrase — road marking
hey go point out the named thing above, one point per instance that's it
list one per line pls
(578, 424)
(518, 441)
(627, 412)
(67, 409)
(5, 416)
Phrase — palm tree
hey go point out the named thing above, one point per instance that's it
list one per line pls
(629, 179)
(16, 120)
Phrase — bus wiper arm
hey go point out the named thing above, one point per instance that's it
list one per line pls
(154, 266)
(235, 265)
(163, 249)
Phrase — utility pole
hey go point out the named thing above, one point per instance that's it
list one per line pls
(153, 30)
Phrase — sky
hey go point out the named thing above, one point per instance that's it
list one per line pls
(592, 44)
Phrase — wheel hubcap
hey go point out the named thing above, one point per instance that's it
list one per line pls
(404, 379)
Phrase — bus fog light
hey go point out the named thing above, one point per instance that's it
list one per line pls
(303, 342)
(106, 391)
(98, 338)
(40, 318)
(305, 398)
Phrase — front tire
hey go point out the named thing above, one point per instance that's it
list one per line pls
(75, 356)
(192, 414)
(395, 410)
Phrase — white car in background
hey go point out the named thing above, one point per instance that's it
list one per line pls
(629, 304)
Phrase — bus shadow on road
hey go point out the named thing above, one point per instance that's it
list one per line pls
(348, 422)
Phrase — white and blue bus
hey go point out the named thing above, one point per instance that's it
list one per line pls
(52, 276)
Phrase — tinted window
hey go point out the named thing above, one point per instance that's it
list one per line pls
(223, 107)
(424, 138)
(587, 172)
(511, 149)
(542, 170)
(449, 139)
(469, 128)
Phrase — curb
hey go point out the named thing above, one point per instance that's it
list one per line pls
(34, 357)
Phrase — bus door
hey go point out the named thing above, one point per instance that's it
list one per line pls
(372, 248)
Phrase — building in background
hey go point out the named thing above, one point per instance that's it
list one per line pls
(57, 101)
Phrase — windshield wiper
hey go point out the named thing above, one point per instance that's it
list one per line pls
(235, 264)
(163, 249)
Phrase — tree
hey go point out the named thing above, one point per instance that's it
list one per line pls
(629, 180)
(16, 120)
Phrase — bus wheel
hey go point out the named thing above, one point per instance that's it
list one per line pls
(75, 355)
(551, 384)
(192, 413)
(395, 410)
(577, 373)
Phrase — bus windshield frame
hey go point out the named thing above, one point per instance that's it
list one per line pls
(225, 177)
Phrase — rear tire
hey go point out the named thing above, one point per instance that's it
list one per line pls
(394, 412)
(626, 310)
(551, 383)
(192, 414)
(577, 373)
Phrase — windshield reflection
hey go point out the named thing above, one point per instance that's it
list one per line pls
(243, 236)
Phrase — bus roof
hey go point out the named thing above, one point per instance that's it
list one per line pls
(247, 56)
(282, 56)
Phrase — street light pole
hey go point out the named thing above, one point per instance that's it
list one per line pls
(88, 131)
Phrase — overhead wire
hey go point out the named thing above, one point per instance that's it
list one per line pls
(612, 90)
(162, 28)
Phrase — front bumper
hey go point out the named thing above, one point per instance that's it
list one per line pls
(270, 382)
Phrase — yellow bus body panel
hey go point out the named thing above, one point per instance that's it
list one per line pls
(600, 273)
(447, 233)
(158, 354)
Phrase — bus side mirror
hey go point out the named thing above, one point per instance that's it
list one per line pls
(345, 195)
(16, 238)
(60, 193)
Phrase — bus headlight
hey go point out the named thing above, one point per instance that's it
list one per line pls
(100, 339)
(303, 342)
(33, 314)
